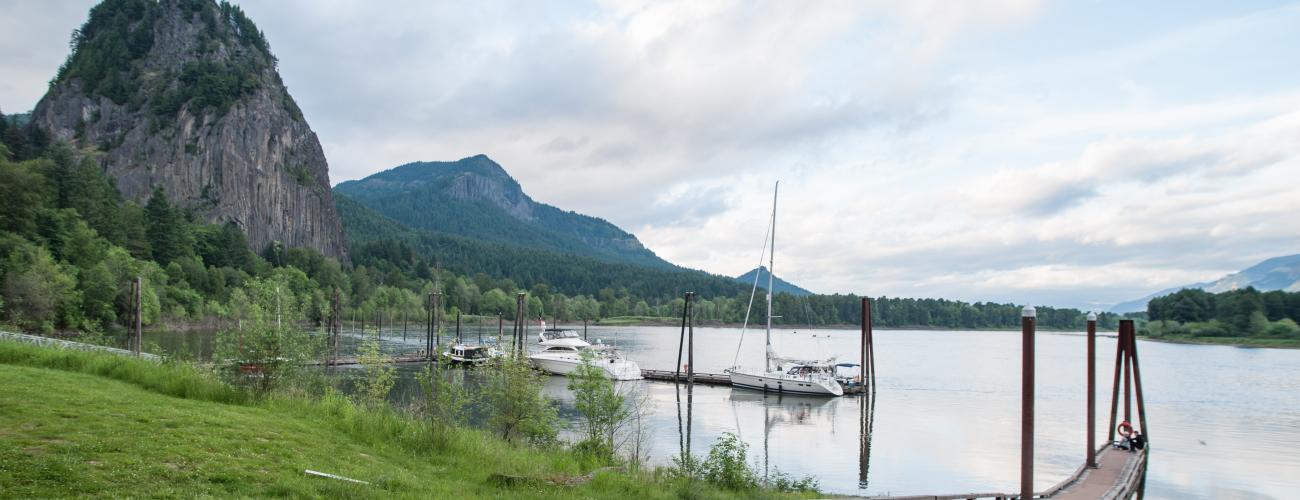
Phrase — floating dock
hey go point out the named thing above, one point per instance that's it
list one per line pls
(353, 360)
(714, 379)
(1119, 474)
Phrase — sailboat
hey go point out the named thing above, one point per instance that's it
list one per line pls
(781, 374)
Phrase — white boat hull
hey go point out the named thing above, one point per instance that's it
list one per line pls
(783, 383)
(614, 369)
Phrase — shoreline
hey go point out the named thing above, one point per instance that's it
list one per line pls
(1242, 342)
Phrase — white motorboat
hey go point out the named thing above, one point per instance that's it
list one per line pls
(472, 354)
(560, 337)
(784, 375)
(565, 359)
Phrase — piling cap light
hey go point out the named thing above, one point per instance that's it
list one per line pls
(1092, 316)
(1028, 312)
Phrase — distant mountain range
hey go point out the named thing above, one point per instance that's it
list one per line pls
(475, 198)
(1278, 273)
(779, 285)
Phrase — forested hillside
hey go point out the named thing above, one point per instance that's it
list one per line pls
(475, 198)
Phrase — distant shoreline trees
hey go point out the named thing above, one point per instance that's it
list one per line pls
(1237, 313)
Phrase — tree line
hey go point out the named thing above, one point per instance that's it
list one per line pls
(1245, 312)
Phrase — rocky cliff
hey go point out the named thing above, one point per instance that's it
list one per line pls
(184, 94)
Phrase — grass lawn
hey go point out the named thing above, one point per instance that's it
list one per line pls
(92, 428)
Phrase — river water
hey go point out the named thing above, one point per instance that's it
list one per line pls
(1225, 421)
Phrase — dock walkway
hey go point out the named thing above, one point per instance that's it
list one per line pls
(1118, 475)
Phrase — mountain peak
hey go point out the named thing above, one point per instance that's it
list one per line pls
(476, 198)
(778, 285)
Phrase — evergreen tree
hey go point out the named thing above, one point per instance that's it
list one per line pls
(165, 226)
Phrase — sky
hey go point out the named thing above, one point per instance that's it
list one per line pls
(1063, 153)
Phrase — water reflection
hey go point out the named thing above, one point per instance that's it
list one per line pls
(866, 421)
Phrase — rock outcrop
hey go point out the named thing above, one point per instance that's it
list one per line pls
(184, 94)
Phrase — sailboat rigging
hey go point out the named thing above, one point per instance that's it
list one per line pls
(781, 374)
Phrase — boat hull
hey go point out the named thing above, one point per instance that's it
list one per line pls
(616, 370)
(788, 385)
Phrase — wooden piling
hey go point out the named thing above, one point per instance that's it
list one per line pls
(428, 326)
(437, 323)
(1137, 376)
(1091, 425)
(139, 315)
(520, 324)
(867, 368)
(690, 340)
(1114, 391)
(1027, 319)
(681, 338)
(1128, 377)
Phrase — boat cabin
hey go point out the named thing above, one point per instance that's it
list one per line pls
(471, 352)
(556, 334)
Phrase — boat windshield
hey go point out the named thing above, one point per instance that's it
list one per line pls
(559, 334)
(806, 370)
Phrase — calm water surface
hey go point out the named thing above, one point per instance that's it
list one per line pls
(1225, 422)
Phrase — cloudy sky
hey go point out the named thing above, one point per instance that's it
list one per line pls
(1073, 153)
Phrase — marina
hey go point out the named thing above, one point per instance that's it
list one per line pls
(943, 419)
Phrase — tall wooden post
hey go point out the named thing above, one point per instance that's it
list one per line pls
(690, 340)
(1114, 391)
(428, 326)
(520, 323)
(404, 322)
(584, 329)
(338, 325)
(1128, 376)
(437, 323)
(1137, 376)
(501, 328)
(1092, 392)
(458, 337)
(139, 316)
(332, 345)
(1027, 319)
(868, 366)
(681, 338)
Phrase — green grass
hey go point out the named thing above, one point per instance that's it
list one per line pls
(76, 423)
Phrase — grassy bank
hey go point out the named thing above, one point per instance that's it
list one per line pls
(76, 423)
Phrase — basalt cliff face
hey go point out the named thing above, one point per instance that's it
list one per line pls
(184, 94)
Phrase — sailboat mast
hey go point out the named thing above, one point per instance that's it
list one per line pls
(771, 270)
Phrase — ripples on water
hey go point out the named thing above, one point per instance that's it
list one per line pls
(1225, 422)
